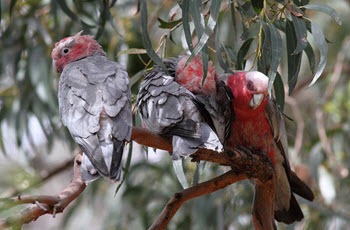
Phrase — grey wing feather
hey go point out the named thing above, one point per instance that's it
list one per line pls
(167, 108)
(95, 105)
(219, 106)
(294, 213)
(275, 119)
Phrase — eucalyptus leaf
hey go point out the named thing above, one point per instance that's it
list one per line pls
(311, 56)
(245, 23)
(240, 63)
(276, 46)
(231, 55)
(222, 63)
(12, 4)
(69, 13)
(258, 5)
(103, 18)
(264, 62)
(185, 6)
(145, 37)
(180, 174)
(137, 77)
(323, 48)
(126, 168)
(294, 60)
(325, 9)
(233, 15)
(301, 2)
(132, 51)
(197, 174)
(301, 34)
(199, 22)
(279, 91)
(168, 25)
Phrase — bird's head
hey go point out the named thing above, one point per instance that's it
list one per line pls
(250, 90)
(191, 76)
(74, 48)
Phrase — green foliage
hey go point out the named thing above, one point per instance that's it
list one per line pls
(273, 37)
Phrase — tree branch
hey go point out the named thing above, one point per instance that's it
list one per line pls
(244, 162)
(45, 204)
(201, 189)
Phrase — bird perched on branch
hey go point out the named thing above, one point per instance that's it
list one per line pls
(259, 124)
(168, 105)
(94, 103)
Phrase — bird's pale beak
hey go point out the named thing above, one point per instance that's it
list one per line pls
(256, 100)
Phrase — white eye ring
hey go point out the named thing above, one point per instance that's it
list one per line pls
(65, 50)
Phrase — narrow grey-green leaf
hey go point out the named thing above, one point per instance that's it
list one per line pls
(281, 25)
(103, 18)
(311, 56)
(233, 15)
(323, 48)
(199, 170)
(264, 61)
(12, 4)
(136, 77)
(205, 62)
(112, 3)
(294, 60)
(214, 13)
(231, 55)
(279, 91)
(276, 46)
(113, 24)
(240, 63)
(132, 51)
(70, 14)
(168, 25)
(245, 28)
(301, 2)
(222, 63)
(258, 5)
(145, 37)
(199, 24)
(180, 174)
(126, 168)
(301, 34)
(185, 6)
(325, 9)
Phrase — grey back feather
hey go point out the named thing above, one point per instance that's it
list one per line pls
(93, 90)
(167, 108)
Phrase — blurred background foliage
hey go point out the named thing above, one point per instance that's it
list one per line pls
(36, 151)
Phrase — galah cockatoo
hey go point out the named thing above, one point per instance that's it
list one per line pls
(168, 105)
(259, 124)
(94, 103)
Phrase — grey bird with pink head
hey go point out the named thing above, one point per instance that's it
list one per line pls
(94, 103)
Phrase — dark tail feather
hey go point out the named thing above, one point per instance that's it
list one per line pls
(293, 214)
(299, 187)
(116, 169)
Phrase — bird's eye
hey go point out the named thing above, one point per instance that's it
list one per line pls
(250, 85)
(65, 51)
